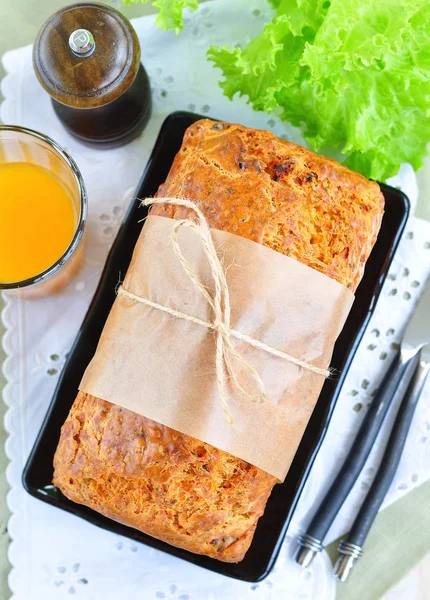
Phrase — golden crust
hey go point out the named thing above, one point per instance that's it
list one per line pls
(276, 193)
(149, 476)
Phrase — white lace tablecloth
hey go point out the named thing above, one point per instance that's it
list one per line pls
(55, 555)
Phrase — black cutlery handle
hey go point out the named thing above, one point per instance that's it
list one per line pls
(359, 452)
(391, 458)
(393, 383)
(351, 548)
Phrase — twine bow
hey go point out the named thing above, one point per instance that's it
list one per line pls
(219, 301)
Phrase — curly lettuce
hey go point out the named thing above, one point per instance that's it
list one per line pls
(169, 12)
(353, 74)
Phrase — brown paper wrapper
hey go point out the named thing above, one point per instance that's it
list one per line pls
(163, 367)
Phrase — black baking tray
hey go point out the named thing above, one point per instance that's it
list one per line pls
(272, 526)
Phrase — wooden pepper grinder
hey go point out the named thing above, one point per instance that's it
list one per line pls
(87, 57)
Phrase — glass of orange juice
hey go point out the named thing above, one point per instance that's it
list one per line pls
(43, 209)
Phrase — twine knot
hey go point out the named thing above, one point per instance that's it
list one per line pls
(220, 327)
(227, 358)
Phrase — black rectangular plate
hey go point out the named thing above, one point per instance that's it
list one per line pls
(272, 526)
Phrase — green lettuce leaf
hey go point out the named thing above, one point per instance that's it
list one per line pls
(353, 74)
(170, 12)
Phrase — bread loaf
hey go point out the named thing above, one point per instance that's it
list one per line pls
(158, 480)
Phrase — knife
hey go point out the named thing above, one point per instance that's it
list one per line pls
(396, 384)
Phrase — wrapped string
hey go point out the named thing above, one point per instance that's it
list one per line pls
(227, 358)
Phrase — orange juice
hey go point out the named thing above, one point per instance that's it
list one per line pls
(37, 220)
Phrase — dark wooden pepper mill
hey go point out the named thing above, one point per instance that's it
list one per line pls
(87, 57)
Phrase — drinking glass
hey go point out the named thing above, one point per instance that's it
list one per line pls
(18, 144)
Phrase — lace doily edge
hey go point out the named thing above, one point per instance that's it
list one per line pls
(9, 316)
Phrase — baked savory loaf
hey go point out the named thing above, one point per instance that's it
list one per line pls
(149, 476)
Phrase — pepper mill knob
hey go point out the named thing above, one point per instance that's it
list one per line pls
(87, 57)
(81, 42)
